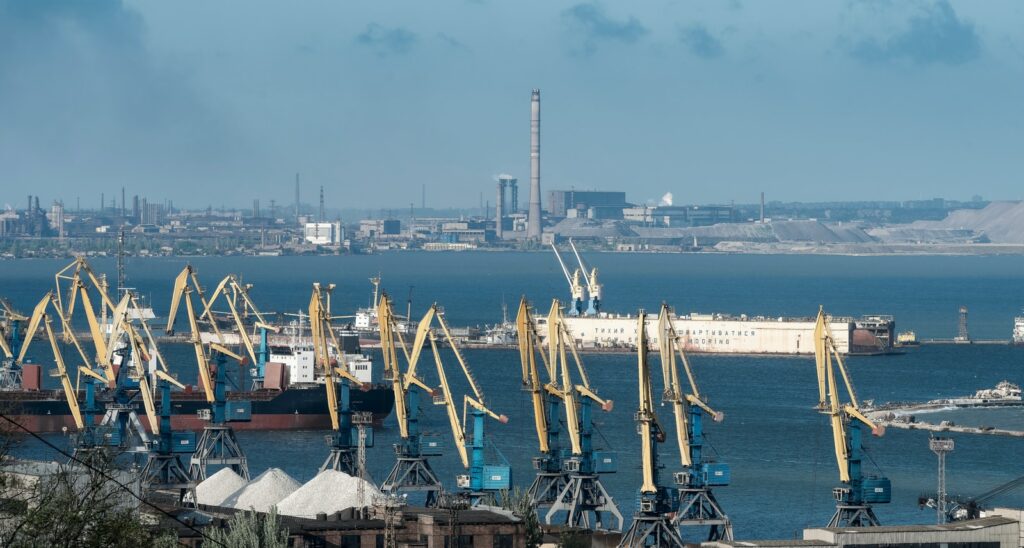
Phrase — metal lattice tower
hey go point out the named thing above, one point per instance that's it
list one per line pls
(962, 334)
(941, 447)
(361, 420)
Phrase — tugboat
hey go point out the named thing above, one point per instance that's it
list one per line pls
(907, 338)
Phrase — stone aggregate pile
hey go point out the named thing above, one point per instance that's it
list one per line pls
(327, 493)
(263, 492)
(214, 490)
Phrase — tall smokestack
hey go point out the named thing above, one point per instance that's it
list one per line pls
(498, 207)
(296, 197)
(321, 219)
(762, 208)
(533, 218)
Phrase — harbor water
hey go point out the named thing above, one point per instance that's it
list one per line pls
(779, 448)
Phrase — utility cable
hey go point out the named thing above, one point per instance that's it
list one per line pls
(108, 478)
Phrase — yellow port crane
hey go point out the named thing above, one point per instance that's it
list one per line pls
(582, 500)
(652, 521)
(857, 493)
(698, 506)
(412, 470)
(235, 294)
(330, 360)
(218, 444)
(484, 481)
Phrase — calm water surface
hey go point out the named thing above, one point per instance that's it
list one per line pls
(779, 448)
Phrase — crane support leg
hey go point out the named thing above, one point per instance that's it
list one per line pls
(651, 530)
(853, 515)
(698, 509)
(217, 446)
(546, 488)
(413, 474)
(585, 502)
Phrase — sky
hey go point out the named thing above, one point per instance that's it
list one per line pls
(214, 102)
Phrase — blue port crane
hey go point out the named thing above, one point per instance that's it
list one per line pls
(218, 445)
(656, 503)
(568, 479)
(235, 295)
(338, 382)
(854, 498)
(697, 506)
(485, 481)
(412, 471)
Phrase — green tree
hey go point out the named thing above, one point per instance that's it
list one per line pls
(250, 530)
(520, 504)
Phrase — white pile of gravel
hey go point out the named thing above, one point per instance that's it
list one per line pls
(268, 489)
(329, 492)
(214, 490)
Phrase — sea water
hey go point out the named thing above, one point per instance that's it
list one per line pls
(779, 448)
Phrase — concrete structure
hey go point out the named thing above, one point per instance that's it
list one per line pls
(679, 216)
(323, 233)
(422, 527)
(375, 228)
(990, 532)
(503, 208)
(533, 225)
(560, 202)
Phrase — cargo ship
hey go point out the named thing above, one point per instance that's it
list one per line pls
(292, 395)
(711, 333)
(1018, 330)
(725, 334)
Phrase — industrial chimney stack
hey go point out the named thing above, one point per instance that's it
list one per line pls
(533, 218)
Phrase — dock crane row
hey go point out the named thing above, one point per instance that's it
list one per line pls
(652, 521)
(218, 445)
(325, 344)
(484, 482)
(857, 493)
(567, 480)
(697, 505)
(412, 471)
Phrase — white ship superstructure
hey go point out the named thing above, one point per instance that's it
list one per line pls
(710, 333)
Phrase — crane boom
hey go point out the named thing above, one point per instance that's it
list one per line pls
(531, 377)
(645, 412)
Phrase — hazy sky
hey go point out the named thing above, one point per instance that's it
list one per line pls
(220, 102)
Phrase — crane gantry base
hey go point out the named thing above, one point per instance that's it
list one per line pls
(651, 530)
(699, 508)
(341, 460)
(121, 417)
(584, 498)
(546, 487)
(217, 446)
(413, 474)
(854, 515)
(167, 473)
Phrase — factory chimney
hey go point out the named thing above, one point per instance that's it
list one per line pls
(533, 218)
(296, 197)
(762, 208)
(499, 206)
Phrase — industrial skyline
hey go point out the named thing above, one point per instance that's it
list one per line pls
(713, 102)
